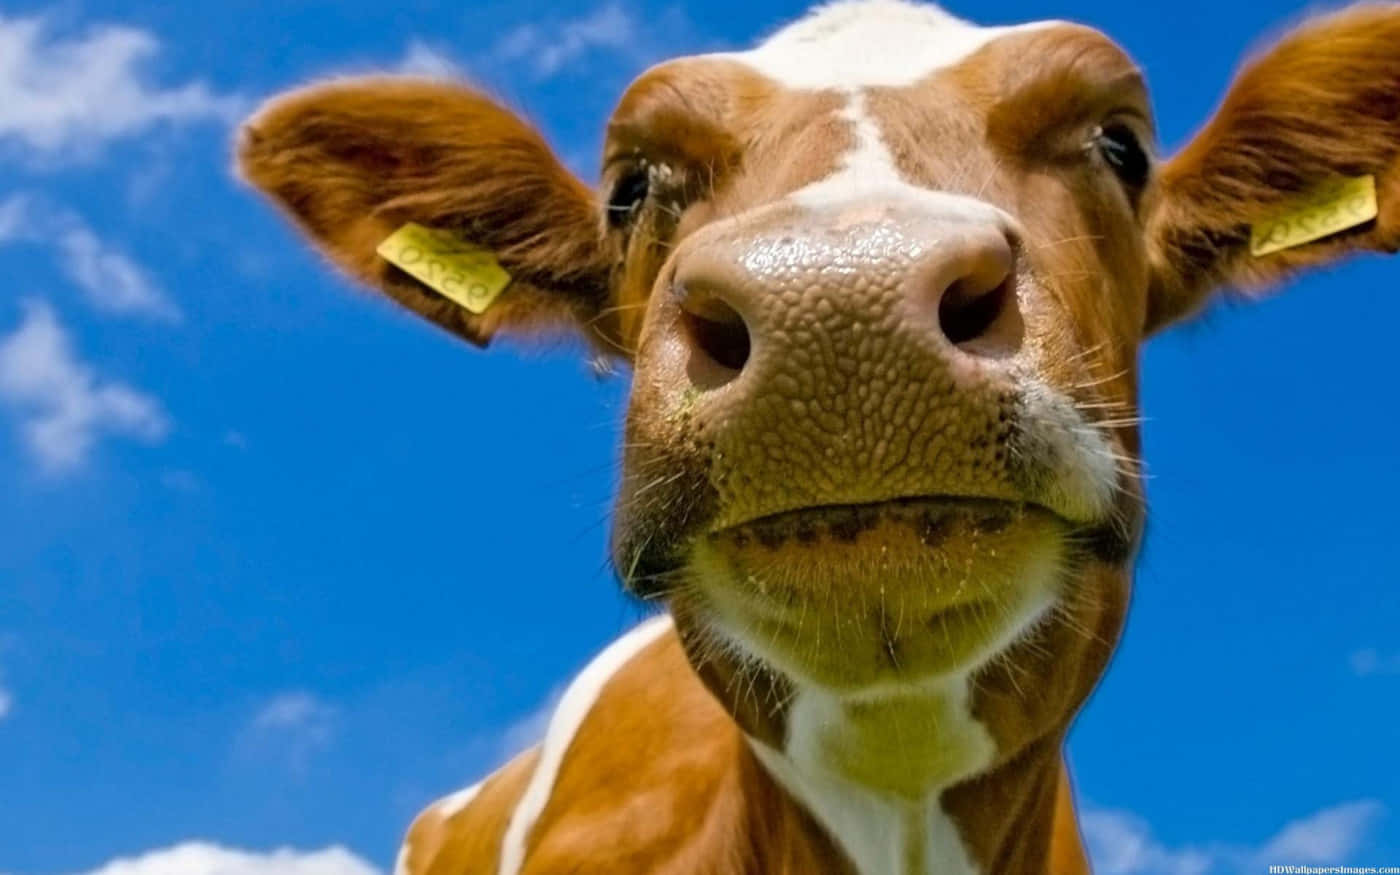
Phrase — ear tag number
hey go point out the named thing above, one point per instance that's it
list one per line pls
(1337, 206)
(466, 274)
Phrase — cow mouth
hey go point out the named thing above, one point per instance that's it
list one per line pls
(933, 518)
(857, 595)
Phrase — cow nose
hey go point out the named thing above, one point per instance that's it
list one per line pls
(953, 281)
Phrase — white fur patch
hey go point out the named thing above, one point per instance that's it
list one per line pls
(859, 44)
(1085, 462)
(868, 43)
(868, 173)
(577, 701)
(882, 834)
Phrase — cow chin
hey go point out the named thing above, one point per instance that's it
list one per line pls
(860, 598)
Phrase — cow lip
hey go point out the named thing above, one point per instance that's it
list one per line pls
(910, 588)
(968, 505)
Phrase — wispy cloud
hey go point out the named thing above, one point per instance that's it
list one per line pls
(1121, 843)
(528, 730)
(1371, 662)
(609, 39)
(62, 406)
(203, 858)
(295, 725)
(7, 696)
(66, 96)
(421, 59)
(109, 279)
(549, 48)
(1330, 836)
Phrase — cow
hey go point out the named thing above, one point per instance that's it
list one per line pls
(881, 283)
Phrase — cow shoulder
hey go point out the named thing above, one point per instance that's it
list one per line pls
(461, 834)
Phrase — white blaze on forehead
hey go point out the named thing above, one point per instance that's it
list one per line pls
(868, 172)
(869, 43)
(858, 44)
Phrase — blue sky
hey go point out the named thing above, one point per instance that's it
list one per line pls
(278, 564)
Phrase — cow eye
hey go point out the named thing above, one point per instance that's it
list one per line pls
(1123, 151)
(628, 196)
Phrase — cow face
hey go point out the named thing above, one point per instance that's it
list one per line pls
(882, 282)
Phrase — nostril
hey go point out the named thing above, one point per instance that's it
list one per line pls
(717, 330)
(981, 321)
(965, 313)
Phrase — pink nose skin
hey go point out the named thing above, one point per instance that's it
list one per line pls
(924, 291)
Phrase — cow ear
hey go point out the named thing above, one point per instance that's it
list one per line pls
(354, 161)
(1318, 112)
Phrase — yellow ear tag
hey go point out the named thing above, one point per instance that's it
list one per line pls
(1335, 207)
(448, 264)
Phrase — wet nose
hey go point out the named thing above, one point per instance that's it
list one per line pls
(945, 287)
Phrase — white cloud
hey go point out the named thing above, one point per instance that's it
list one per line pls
(1329, 836)
(547, 49)
(421, 59)
(1121, 843)
(294, 710)
(7, 696)
(203, 858)
(608, 39)
(529, 729)
(295, 725)
(62, 405)
(1371, 662)
(67, 96)
(110, 280)
(12, 211)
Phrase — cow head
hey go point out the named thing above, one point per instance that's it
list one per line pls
(882, 283)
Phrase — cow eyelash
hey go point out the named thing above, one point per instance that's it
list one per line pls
(628, 196)
(1123, 151)
(641, 183)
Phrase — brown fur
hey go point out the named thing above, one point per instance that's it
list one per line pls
(660, 778)
(660, 781)
(468, 841)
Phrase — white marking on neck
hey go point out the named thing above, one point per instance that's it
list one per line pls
(577, 701)
(883, 833)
